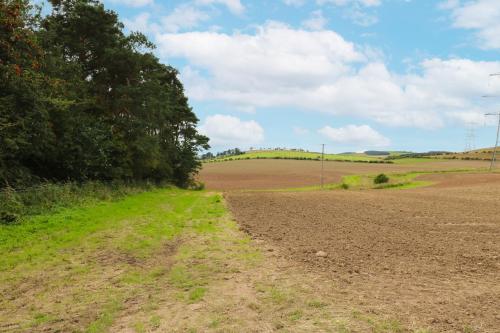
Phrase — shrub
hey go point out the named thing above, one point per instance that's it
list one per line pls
(7, 218)
(381, 179)
(197, 186)
(344, 186)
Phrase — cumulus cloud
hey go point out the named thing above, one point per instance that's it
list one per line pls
(182, 17)
(355, 136)
(225, 130)
(481, 16)
(278, 66)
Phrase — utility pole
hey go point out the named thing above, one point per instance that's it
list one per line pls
(493, 158)
(322, 163)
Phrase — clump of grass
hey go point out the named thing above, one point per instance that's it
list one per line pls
(381, 179)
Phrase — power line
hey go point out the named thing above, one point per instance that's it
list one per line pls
(470, 137)
(497, 114)
(493, 158)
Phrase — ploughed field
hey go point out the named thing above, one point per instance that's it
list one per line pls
(275, 174)
(429, 257)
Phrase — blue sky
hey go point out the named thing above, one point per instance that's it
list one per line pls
(353, 74)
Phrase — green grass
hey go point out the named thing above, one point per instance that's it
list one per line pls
(289, 154)
(108, 244)
(49, 197)
(364, 182)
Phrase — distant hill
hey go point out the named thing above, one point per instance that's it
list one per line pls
(302, 155)
(483, 154)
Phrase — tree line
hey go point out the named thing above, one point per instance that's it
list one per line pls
(225, 153)
(81, 100)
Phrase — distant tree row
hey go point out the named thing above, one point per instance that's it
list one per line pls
(80, 100)
(225, 153)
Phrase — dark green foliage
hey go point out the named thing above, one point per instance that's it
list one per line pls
(7, 218)
(80, 101)
(230, 152)
(381, 179)
(377, 153)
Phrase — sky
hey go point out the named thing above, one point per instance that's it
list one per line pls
(352, 74)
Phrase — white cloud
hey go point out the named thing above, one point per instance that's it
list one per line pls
(316, 21)
(183, 17)
(482, 16)
(471, 118)
(225, 130)
(276, 58)
(320, 71)
(235, 6)
(142, 23)
(355, 136)
(134, 3)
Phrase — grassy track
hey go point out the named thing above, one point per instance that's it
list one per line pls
(160, 261)
(88, 262)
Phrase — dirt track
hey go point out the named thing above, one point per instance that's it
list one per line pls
(429, 257)
(272, 174)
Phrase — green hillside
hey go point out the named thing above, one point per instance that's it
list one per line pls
(301, 155)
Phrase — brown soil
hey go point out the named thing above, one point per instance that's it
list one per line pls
(273, 174)
(429, 257)
(462, 179)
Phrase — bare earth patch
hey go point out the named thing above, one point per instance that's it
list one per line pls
(428, 257)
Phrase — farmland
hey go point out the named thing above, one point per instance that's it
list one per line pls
(426, 258)
(276, 174)
(263, 249)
